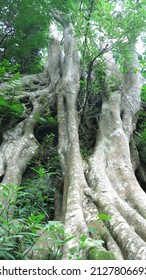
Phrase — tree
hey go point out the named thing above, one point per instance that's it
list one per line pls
(92, 81)
(23, 33)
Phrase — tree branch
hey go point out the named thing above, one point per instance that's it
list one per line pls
(64, 20)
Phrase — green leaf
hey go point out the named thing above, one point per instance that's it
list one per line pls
(16, 76)
(83, 238)
(103, 217)
(135, 70)
(3, 102)
(92, 230)
(69, 238)
(4, 221)
(6, 255)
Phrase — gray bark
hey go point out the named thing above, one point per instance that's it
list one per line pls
(103, 183)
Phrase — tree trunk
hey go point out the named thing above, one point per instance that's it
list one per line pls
(105, 181)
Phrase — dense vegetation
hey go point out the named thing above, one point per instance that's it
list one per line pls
(100, 26)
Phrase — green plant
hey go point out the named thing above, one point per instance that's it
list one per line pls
(87, 244)
(9, 104)
(49, 155)
(16, 233)
(20, 235)
(57, 239)
(6, 68)
(40, 180)
(46, 120)
(39, 194)
(41, 172)
(102, 217)
(83, 153)
(84, 244)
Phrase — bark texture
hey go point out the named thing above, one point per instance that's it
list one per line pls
(105, 181)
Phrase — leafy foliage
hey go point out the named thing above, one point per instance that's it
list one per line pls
(15, 234)
(85, 243)
(40, 201)
(23, 32)
(24, 27)
(102, 217)
(58, 238)
(19, 235)
(23, 36)
(7, 68)
(10, 107)
(46, 120)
